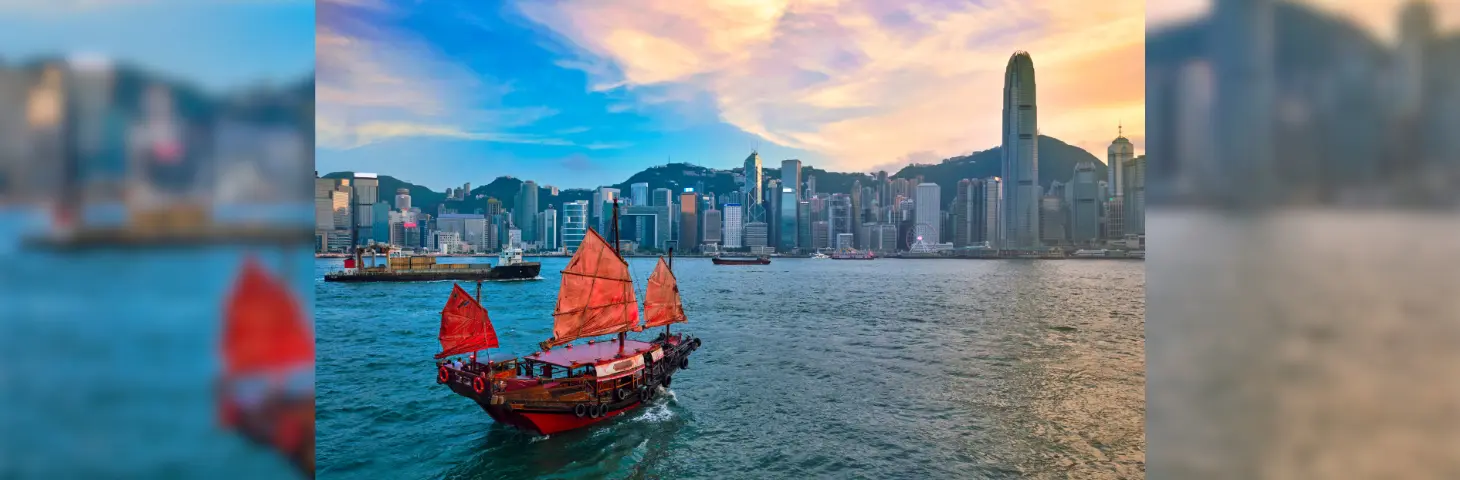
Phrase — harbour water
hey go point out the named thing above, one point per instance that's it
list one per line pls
(810, 368)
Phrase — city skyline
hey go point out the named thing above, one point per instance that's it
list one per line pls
(562, 99)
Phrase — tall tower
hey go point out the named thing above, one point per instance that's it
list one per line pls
(1022, 194)
(1117, 156)
(753, 179)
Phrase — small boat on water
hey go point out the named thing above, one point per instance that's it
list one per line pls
(421, 268)
(852, 254)
(820, 256)
(565, 387)
(761, 260)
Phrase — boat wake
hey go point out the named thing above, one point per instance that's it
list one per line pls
(657, 411)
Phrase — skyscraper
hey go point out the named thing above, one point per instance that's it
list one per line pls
(525, 216)
(366, 193)
(803, 225)
(712, 227)
(927, 211)
(601, 217)
(1020, 156)
(575, 224)
(993, 195)
(734, 225)
(640, 193)
(688, 221)
(791, 176)
(787, 230)
(1134, 196)
(1084, 205)
(402, 199)
(547, 225)
(753, 179)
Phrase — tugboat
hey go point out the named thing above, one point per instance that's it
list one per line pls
(566, 387)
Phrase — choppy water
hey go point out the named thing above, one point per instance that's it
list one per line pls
(810, 368)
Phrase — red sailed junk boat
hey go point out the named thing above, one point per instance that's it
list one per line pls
(565, 387)
(266, 341)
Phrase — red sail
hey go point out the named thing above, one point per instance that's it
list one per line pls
(465, 327)
(596, 296)
(264, 327)
(662, 305)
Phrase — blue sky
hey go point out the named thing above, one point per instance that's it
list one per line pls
(217, 45)
(579, 93)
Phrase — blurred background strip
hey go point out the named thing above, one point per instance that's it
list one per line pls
(155, 231)
(1304, 277)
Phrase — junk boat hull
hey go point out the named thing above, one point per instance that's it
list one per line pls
(524, 404)
(741, 261)
(521, 271)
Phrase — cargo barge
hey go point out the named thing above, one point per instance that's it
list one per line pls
(741, 261)
(422, 268)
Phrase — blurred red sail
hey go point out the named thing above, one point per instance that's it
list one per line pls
(264, 329)
(465, 326)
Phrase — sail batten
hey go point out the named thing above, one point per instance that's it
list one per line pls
(662, 304)
(596, 296)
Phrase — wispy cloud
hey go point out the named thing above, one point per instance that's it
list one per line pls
(867, 82)
(375, 84)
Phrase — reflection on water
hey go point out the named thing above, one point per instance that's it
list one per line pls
(1304, 344)
(891, 368)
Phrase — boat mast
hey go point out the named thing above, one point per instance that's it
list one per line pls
(670, 264)
(621, 335)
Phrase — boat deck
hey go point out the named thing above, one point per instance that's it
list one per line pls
(590, 353)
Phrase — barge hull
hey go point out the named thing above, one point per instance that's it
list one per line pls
(525, 271)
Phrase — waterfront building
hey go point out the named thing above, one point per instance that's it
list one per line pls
(1052, 220)
(820, 230)
(734, 231)
(402, 199)
(1020, 150)
(1134, 198)
(575, 224)
(756, 235)
(803, 225)
(840, 215)
(713, 227)
(525, 215)
(366, 193)
(787, 230)
(993, 193)
(640, 192)
(753, 180)
(1083, 193)
(884, 237)
(688, 220)
(471, 229)
(547, 224)
(844, 241)
(927, 210)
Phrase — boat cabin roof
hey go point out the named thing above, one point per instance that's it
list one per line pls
(590, 353)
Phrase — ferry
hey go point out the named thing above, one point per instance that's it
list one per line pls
(820, 256)
(1101, 253)
(851, 254)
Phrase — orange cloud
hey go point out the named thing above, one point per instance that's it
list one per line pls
(866, 82)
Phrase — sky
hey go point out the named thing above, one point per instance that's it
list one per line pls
(217, 45)
(583, 93)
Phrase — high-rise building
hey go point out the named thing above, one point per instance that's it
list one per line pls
(791, 176)
(810, 187)
(734, 226)
(927, 211)
(753, 180)
(324, 213)
(839, 215)
(803, 225)
(1052, 220)
(547, 225)
(640, 193)
(856, 210)
(960, 214)
(1020, 147)
(1120, 152)
(402, 199)
(525, 215)
(756, 234)
(575, 224)
(820, 230)
(494, 207)
(787, 231)
(600, 217)
(471, 229)
(380, 224)
(662, 198)
(366, 193)
(688, 220)
(1084, 204)
(993, 194)
(713, 228)
(1134, 197)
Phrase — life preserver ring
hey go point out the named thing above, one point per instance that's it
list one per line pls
(623, 394)
(478, 385)
(442, 375)
(595, 411)
(684, 363)
(580, 410)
